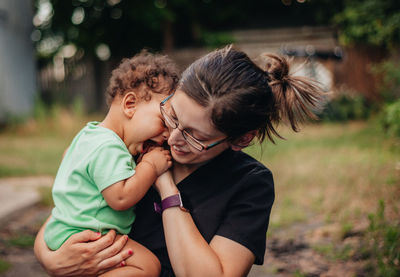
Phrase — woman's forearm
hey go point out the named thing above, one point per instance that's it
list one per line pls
(50, 260)
(40, 248)
(189, 253)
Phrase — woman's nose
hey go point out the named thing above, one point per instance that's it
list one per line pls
(175, 137)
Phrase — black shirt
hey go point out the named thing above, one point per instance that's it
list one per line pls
(230, 196)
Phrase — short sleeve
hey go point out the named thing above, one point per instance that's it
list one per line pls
(110, 163)
(246, 219)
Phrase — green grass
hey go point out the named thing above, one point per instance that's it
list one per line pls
(22, 240)
(30, 155)
(337, 171)
(4, 266)
(36, 147)
(347, 175)
(335, 252)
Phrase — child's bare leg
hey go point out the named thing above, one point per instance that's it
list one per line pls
(142, 263)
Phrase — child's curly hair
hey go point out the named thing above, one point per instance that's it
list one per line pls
(157, 73)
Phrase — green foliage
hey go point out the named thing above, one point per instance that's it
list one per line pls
(128, 26)
(390, 118)
(334, 251)
(298, 273)
(346, 107)
(40, 110)
(4, 266)
(346, 229)
(389, 71)
(374, 22)
(22, 240)
(216, 39)
(385, 238)
(78, 107)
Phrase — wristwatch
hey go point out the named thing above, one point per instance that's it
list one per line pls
(171, 201)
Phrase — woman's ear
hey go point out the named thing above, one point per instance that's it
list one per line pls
(243, 141)
(129, 102)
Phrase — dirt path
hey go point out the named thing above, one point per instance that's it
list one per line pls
(304, 249)
(290, 252)
(16, 242)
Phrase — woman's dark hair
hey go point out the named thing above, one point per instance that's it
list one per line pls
(242, 97)
(143, 69)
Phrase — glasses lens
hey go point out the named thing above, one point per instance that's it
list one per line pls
(168, 120)
(171, 123)
(192, 141)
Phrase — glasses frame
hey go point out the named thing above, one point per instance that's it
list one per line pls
(192, 141)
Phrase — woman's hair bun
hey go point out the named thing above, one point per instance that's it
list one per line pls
(297, 98)
(276, 67)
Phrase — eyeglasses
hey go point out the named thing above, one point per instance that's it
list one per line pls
(172, 123)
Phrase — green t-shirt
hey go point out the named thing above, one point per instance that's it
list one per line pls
(96, 159)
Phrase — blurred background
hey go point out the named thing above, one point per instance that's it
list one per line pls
(337, 181)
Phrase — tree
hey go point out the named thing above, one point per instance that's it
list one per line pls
(126, 26)
(371, 22)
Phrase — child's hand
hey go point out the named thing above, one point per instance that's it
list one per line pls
(165, 185)
(159, 158)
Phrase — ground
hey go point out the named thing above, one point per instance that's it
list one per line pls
(16, 242)
(289, 254)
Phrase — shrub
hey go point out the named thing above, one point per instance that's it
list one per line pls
(216, 39)
(389, 73)
(384, 236)
(346, 107)
(390, 119)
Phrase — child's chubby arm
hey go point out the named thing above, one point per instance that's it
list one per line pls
(126, 193)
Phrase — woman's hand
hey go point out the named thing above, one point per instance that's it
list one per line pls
(83, 254)
(165, 185)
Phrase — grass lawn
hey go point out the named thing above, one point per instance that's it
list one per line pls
(338, 171)
(339, 185)
(36, 147)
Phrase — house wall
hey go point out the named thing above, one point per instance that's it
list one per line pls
(17, 68)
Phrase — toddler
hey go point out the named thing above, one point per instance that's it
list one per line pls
(98, 182)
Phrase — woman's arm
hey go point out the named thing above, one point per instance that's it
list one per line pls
(189, 253)
(83, 254)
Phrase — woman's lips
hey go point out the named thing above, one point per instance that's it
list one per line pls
(178, 150)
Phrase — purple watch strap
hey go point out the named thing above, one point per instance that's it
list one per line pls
(170, 201)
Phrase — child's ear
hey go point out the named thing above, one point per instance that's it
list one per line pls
(129, 102)
(243, 141)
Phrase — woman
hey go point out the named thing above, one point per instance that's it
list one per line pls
(223, 102)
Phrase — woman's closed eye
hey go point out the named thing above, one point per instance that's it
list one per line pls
(173, 116)
(187, 130)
